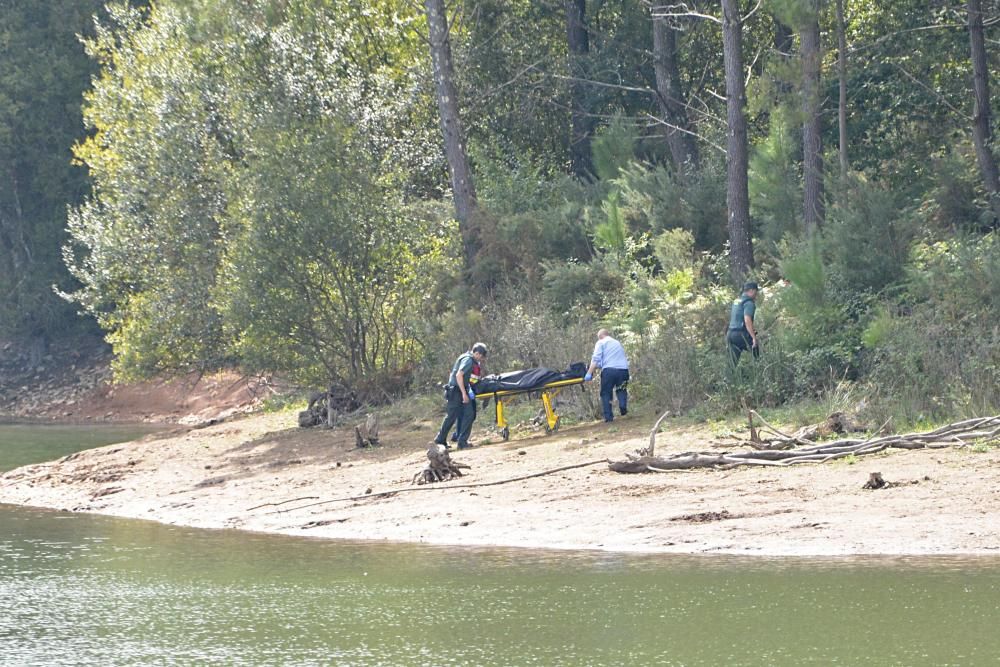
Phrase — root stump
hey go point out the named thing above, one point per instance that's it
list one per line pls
(440, 467)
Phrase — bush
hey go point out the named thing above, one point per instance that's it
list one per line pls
(936, 352)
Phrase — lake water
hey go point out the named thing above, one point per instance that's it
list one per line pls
(21, 444)
(90, 590)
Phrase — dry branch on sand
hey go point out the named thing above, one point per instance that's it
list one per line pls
(982, 429)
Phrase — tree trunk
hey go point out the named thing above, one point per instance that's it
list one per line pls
(982, 130)
(842, 74)
(578, 41)
(783, 41)
(463, 188)
(737, 191)
(812, 142)
(673, 106)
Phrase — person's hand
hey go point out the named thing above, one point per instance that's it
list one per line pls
(754, 342)
(588, 377)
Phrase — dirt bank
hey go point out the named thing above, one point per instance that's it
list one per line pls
(261, 473)
(73, 382)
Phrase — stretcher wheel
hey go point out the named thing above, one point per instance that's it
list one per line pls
(553, 428)
(505, 433)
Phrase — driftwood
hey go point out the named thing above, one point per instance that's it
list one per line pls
(837, 422)
(983, 429)
(441, 468)
(367, 433)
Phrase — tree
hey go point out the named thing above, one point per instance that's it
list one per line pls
(982, 129)
(462, 184)
(741, 259)
(842, 89)
(670, 96)
(248, 203)
(582, 127)
(44, 73)
(812, 125)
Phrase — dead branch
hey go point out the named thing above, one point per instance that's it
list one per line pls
(983, 429)
(393, 492)
(648, 451)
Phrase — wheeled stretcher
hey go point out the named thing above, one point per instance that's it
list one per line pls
(506, 388)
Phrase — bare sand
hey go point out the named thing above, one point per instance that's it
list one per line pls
(261, 473)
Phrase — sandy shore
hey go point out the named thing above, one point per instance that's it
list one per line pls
(261, 473)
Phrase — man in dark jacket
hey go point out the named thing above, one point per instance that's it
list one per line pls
(742, 335)
(460, 396)
(477, 372)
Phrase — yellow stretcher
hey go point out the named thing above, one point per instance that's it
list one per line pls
(549, 391)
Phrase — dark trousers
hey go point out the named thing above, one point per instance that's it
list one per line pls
(614, 379)
(464, 413)
(738, 341)
(458, 422)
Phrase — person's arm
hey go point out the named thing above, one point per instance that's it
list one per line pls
(460, 381)
(595, 360)
(748, 322)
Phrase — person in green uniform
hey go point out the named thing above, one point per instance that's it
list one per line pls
(742, 335)
(460, 396)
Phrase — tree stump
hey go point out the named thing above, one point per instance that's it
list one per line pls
(875, 481)
(324, 406)
(440, 467)
(367, 433)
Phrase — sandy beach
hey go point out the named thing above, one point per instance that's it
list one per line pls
(262, 473)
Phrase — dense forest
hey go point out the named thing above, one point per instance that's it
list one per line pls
(353, 191)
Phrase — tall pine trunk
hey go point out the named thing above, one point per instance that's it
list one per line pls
(842, 75)
(670, 94)
(783, 41)
(581, 124)
(737, 191)
(982, 130)
(462, 185)
(812, 142)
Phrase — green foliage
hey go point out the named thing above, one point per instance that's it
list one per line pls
(246, 205)
(327, 270)
(938, 351)
(775, 193)
(610, 236)
(267, 189)
(674, 250)
(44, 73)
(653, 199)
(613, 148)
(867, 239)
(593, 286)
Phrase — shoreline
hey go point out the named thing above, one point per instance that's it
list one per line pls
(942, 502)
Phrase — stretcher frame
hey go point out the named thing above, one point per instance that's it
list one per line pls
(548, 392)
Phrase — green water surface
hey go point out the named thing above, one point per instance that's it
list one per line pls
(23, 444)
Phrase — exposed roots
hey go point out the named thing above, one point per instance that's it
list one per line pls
(440, 468)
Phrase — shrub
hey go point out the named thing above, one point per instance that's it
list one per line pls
(937, 351)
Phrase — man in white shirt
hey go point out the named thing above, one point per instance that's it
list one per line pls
(609, 356)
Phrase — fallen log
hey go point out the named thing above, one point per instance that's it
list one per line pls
(984, 429)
